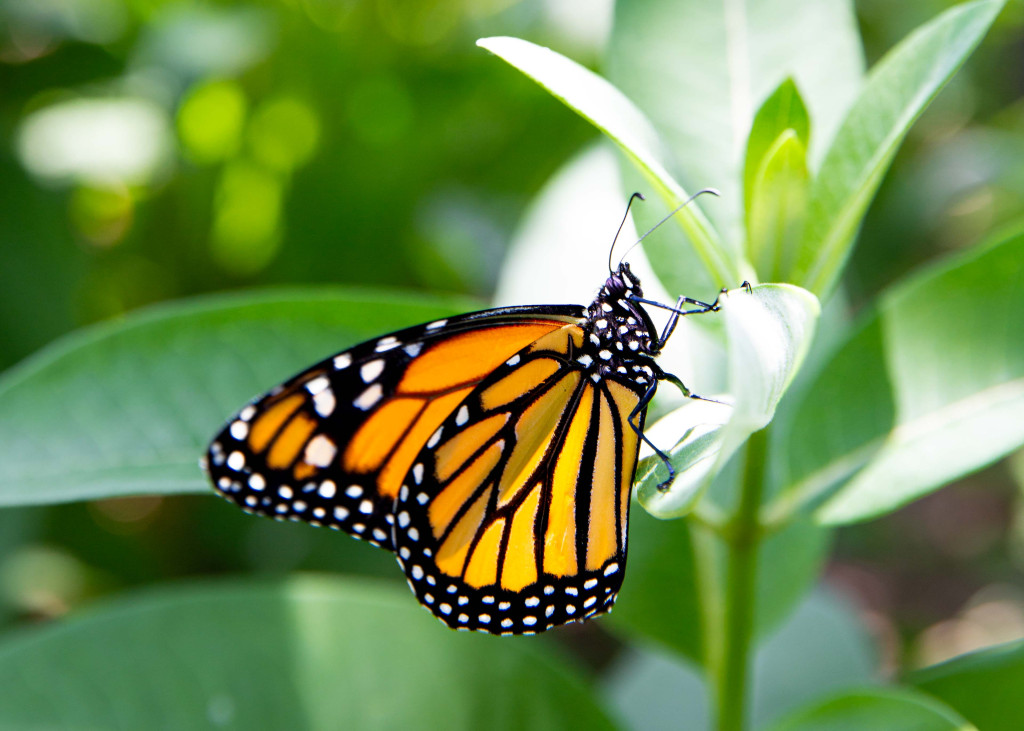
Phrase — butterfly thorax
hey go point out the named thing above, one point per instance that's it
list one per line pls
(622, 340)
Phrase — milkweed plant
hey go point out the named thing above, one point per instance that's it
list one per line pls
(816, 418)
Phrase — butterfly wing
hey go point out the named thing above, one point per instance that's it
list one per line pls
(333, 445)
(516, 516)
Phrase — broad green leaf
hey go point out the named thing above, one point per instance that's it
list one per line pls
(608, 109)
(309, 653)
(768, 334)
(777, 207)
(783, 110)
(928, 389)
(898, 89)
(127, 407)
(699, 70)
(659, 597)
(984, 686)
(877, 708)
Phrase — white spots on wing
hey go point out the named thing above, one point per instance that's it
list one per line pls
(506, 622)
(285, 492)
(247, 413)
(256, 481)
(463, 416)
(606, 307)
(340, 513)
(605, 355)
(342, 361)
(387, 343)
(366, 507)
(405, 553)
(594, 339)
(403, 493)
(590, 583)
(369, 397)
(590, 602)
(239, 430)
(320, 451)
(413, 349)
(319, 512)
(236, 461)
(417, 472)
(358, 528)
(354, 491)
(251, 501)
(370, 370)
(298, 506)
(484, 619)
(379, 534)
(513, 360)
(633, 345)
(403, 519)
(435, 437)
(611, 568)
(529, 621)
(324, 403)
(503, 606)
(417, 572)
(327, 489)
(595, 377)
(422, 498)
(585, 360)
(318, 384)
(532, 601)
(437, 324)
(413, 534)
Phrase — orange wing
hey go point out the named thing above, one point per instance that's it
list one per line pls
(516, 519)
(334, 445)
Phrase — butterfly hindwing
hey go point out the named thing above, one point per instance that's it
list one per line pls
(515, 517)
(333, 445)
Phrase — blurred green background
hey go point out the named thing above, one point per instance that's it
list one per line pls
(152, 150)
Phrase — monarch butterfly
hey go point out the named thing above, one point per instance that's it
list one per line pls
(493, 453)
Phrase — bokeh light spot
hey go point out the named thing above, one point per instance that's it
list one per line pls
(284, 133)
(211, 119)
(245, 235)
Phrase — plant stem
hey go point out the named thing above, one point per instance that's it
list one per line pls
(743, 539)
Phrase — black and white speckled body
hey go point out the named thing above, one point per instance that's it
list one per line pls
(621, 340)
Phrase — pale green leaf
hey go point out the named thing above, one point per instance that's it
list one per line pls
(768, 333)
(929, 388)
(700, 69)
(898, 89)
(608, 109)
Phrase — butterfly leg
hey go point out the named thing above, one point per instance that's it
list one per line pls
(640, 408)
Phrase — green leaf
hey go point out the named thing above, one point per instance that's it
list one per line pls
(127, 407)
(898, 89)
(699, 69)
(928, 389)
(984, 686)
(310, 653)
(877, 708)
(784, 110)
(608, 109)
(768, 334)
(777, 207)
(661, 574)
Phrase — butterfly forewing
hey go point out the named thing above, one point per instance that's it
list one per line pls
(333, 445)
(514, 519)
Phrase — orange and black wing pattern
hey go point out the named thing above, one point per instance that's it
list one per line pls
(516, 514)
(334, 445)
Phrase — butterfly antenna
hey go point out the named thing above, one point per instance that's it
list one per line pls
(676, 210)
(624, 217)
